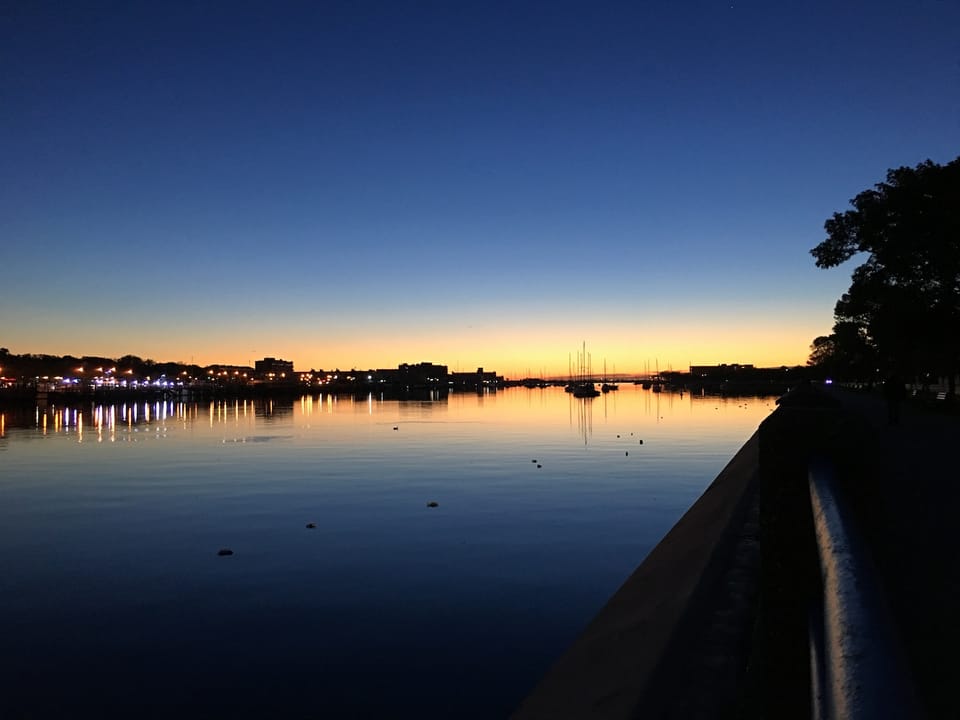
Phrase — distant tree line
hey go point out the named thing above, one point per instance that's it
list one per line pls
(33, 365)
(901, 313)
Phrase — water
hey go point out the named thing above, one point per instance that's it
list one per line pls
(116, 603)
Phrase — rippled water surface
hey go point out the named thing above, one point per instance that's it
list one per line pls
(116, 602)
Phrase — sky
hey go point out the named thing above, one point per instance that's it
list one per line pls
(360, 184)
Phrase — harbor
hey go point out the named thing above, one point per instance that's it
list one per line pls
(114, 516)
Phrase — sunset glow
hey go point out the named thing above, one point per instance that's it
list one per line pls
(470, 185)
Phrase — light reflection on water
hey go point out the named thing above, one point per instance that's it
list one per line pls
(112, 517)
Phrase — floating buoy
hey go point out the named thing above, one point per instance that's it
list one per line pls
(627, 453)
(539, 466)
(618, 436)
(224, 551)
(311, 526)
(433, 503)
(533, 461)
(641, 442)
(395, 427)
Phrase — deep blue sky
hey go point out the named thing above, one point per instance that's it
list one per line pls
(363, 184)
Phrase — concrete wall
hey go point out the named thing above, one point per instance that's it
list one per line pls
(634, 651)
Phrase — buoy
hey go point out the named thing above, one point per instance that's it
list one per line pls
(224, 551)
(311, 526)
(641, 442)
(539, 466)
(433, 504)
(533, 461)
(395, 427)
(627, 453)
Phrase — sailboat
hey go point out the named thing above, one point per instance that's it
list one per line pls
(645, 383)
(608, 386)
(583, 387)
(585, 390)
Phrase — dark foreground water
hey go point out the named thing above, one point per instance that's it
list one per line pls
(115, 602)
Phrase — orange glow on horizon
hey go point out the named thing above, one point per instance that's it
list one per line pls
(510, 348)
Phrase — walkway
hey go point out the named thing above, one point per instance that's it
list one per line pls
(911, 519)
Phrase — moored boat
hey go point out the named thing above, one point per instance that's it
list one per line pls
(585, 390)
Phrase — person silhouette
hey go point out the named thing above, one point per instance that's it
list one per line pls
(893, 393)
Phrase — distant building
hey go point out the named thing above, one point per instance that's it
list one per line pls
(478, 379)
(421, 375)
(737, 378)
(404, 379)
(719, 371)
(273, 369)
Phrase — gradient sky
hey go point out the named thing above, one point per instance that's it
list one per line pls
(360, 184)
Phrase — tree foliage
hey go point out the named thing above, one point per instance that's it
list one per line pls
(902, 309)
(845, 354)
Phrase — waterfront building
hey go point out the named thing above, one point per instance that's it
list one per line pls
(478, 379)
(719, 371)
(273, 369)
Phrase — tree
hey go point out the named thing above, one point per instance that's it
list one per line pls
(845, 354)
(822, 351)
(903, 304)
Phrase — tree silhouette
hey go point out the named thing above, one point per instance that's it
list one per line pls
(903, 304)
(845, 354)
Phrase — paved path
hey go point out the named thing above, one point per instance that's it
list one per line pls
(912, 517)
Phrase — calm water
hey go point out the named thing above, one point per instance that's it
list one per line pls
(116, 603)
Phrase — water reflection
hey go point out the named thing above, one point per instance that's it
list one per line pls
(274, 409)
(111, 422)
(113, 514)
(583, 408)
(106, 419)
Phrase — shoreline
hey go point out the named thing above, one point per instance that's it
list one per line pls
(636, 649)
